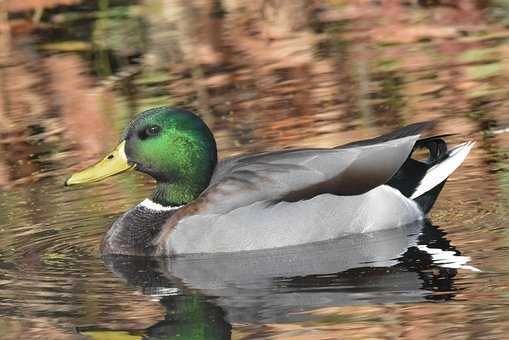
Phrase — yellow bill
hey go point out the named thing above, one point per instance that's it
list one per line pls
(114, 163)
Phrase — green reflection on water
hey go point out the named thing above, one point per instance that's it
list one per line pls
(188, 317)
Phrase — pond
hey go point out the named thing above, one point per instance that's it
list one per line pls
(264, 75)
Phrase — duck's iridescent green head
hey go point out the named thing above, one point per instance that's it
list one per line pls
(172, 145)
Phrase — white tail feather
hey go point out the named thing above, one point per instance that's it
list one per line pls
(439, 172)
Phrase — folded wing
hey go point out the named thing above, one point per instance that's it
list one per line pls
(295, 175)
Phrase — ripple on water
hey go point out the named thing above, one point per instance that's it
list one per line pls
(333, 72)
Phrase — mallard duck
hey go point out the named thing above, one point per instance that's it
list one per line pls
(265, 200)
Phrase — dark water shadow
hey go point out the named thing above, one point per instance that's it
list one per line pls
(204, 295)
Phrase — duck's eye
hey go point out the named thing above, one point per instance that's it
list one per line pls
(153, 130)
(150, 131)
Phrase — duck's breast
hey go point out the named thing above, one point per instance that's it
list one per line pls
(264, 225)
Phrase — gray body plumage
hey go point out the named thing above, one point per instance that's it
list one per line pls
(263, 225)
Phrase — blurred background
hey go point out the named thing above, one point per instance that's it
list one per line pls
(264, 75)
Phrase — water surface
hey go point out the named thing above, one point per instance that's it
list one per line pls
(264, 76)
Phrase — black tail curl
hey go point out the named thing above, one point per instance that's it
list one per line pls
(409, 176)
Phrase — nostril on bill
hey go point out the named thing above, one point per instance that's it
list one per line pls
(110, 157)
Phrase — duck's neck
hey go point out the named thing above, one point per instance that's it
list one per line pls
(178, 193)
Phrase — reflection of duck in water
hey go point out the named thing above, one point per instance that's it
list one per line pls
(268, 200)
(209, 292)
